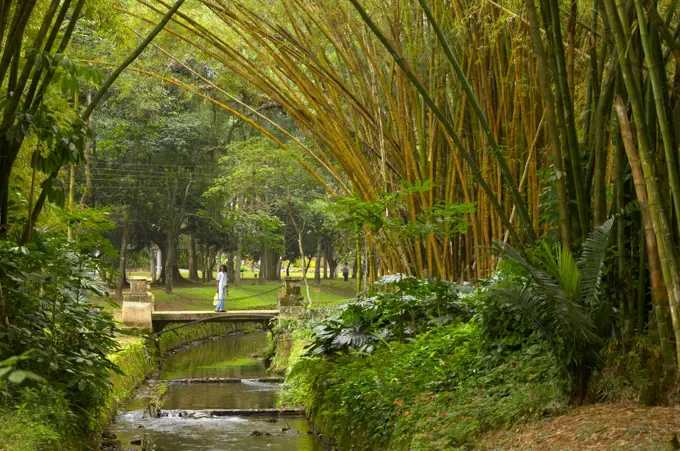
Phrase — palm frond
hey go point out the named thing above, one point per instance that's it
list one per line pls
(568, 274)
(553, 317)
(548, 259)
(547, 284)
(546, 303)
(591, 262)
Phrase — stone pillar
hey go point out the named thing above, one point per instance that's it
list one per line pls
(138, 304)
(291, 303)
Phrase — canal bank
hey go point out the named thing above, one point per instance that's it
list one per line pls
(236, 409)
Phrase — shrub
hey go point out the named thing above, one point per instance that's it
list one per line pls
(405, 307)
(437, 388)
(632, 370)
(41, 418)
(48, 287)
(560, 298)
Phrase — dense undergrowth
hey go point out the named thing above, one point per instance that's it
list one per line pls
(429, 365)
(55, 343)
(435, 392)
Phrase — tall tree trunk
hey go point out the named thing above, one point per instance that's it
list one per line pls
(230, 268)
(204, 264)
(163, 250)
(263, 268)
(237, 262)
(211, 265)
(659, 292)
(652, 58)
(642, 287)
(553, 130)
(568, 108)
(626, 308)
(359, 268)
(87, 192)
(660, 218)
(317, 267)
(272, 265)
(325, 268)
(170, 260)
(193, 263)
(332, 262)
(304, 266)
(122, 253)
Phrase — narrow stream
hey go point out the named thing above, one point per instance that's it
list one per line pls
(189, 428)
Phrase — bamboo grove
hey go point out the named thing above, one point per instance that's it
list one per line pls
(549, 117)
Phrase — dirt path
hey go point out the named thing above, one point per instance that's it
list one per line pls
(597, 427)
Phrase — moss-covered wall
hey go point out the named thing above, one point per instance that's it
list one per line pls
(286, 348)
(135, 360)
(185, 335)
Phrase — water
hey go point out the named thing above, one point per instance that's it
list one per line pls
(229, 357)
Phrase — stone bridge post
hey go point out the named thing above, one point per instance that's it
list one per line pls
(291, 303)
(138, 304)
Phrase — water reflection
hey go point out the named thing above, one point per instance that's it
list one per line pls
(221, 396)
(227, 357)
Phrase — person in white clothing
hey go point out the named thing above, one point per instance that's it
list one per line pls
(222, 288)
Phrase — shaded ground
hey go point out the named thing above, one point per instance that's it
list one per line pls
(601, 427)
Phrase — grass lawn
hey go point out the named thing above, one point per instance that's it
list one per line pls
(249, 296)
(200, 296)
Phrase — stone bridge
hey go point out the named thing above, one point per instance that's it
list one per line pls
(161, 319)
(139, 308)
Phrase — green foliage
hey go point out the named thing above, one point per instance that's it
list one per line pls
(40, 419)
(560, 298)
(420, 365)
(503, 323)
(405, 307)
(8, 370)
(442, 219)
(631, 371)
(135, 362)
(48, 287)
(438, 390)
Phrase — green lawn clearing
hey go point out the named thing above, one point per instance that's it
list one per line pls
(249, 296)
